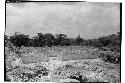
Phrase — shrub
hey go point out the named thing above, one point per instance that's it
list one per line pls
(110, 56)
(79, 78)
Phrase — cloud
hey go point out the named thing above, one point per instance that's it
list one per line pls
(92, 19)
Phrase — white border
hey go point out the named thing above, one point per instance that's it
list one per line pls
(2, 29)
(84, 0)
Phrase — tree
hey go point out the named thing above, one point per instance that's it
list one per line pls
(40, 39)
(60, 39)
(19, 39)
(105, 41)
(49, 39)
(78, 40)
(33, 42)
(6, 39)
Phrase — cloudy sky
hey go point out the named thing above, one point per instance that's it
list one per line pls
(91, 19)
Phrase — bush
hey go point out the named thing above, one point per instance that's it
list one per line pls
(25, 74)
(79, 78)
(109, 56)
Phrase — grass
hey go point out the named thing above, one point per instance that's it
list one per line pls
(65, 53)
(81, 63)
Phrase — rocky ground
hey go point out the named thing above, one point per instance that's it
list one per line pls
(55, 70)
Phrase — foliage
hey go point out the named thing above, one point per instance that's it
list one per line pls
(19, 39)
(106, 43)
(79, 78)
(111, 42)
(29, 72)
(78, 41)
(25, 74)
(6, 40)
(49, 39)
(109, 56)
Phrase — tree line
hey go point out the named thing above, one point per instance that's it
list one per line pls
(111, 42)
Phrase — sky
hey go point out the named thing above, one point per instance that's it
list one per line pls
(89, 19)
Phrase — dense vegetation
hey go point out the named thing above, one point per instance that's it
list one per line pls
(111, 42)
(31, 59)
(109, 45)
